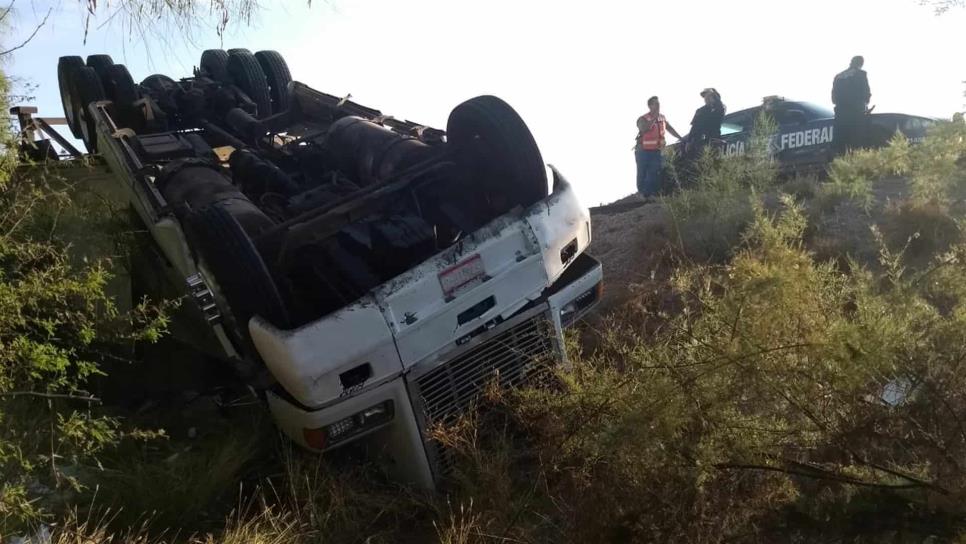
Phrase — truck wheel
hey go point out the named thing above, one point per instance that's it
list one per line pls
(120, 89)
(86, 88)
(497, 152)
(248, 76)
(66, 66)
(278, 77)
(242, 276)
(162, 88)
(214, 64)
(100, 64)
(160, 84)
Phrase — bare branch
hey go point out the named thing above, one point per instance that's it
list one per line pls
(817, 473)
(89, 398)
(32, 34)
(942, 6)
(7, 10)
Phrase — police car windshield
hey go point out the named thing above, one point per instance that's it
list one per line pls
(812, 111)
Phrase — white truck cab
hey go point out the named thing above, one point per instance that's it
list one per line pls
(420, 349)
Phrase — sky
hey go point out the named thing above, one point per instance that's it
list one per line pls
(579, 73)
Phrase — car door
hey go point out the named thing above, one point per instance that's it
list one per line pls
(804, 139)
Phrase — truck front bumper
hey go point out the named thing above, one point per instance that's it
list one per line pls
(398, 439)
(442, 386)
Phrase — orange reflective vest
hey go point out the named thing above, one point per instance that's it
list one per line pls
(653, 139)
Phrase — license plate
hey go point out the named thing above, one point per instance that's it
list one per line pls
(462, 276)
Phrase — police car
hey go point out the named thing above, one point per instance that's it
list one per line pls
(805, 132)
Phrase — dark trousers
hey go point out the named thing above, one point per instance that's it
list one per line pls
(849, 129)
(649, 164)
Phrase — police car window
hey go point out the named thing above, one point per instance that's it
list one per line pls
(812, 111)
(739, 121)
(731, 128)
(788, 114)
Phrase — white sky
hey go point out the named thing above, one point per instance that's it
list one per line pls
(578, 72)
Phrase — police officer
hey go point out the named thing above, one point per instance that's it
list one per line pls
(706, 124)
(651, 128)
(850, 94)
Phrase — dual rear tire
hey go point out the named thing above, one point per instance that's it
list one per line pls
(97, 79)
(263, 76)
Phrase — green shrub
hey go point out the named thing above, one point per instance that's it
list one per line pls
(937, 170)
(57, 323)
(709, 217)
(934, 166)
(788, 399)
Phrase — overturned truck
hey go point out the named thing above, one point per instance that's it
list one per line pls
(368, 276)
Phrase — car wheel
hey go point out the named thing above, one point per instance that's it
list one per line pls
(495, 150)
(247, 75)
(242, 276)
(278, 76)
(86, 88)
(120, 89)
(100, 64)
(214, 64)
(66, 66)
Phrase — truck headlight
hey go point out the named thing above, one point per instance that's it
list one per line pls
(571, 310)
(344, 429)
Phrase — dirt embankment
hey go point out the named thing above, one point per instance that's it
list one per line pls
(632, 239)
(635, 240)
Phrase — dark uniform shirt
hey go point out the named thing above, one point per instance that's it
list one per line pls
(850, 90)
(706, 123)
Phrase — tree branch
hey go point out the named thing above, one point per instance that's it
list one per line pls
(7, 11)
(809, 471)
(89, 398)
(32, 34)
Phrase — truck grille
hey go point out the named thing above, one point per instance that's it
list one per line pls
(514, 356)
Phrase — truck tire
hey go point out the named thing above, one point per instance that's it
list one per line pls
(214, 64)
(66, 66)
(86, 88)
(497, 152)
(278, 77)
(247, 75)
(162, 88)
(100, 64)
(159, 83)
(242, 276)
(119, 88)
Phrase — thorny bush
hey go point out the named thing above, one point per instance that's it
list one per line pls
(57, 322)
(789, 400)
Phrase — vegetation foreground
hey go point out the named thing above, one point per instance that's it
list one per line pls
(787, 366)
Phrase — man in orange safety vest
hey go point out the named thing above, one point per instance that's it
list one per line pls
(650, 141)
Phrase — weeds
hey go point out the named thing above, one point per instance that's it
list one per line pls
(709, 216)
(934, 167)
